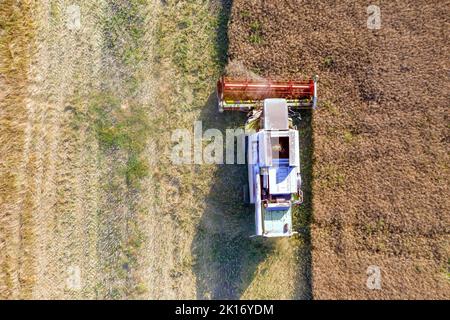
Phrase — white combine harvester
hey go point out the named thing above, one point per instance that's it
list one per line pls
(272, 150)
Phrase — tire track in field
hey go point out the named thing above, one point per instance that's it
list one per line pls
(69, 63)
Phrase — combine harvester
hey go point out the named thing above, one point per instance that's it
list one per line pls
(272, 150)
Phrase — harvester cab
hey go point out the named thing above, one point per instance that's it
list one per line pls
(271, 146)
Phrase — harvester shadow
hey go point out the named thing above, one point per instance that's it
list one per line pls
(303, 215)
(226, 256)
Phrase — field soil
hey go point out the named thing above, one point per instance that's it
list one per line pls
(380, 136)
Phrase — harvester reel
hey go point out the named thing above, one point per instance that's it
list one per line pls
(245, 95)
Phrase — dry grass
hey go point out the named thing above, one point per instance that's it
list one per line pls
(16, 189)
(119, 117)
(58, 208)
